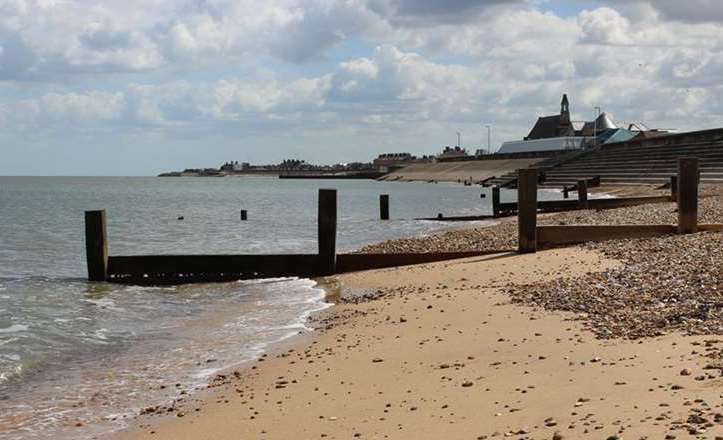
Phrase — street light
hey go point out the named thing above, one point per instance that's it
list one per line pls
(594, 133)
(489, 138)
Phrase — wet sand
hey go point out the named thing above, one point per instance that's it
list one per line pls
(438, 351)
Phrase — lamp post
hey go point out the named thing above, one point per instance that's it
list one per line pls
(594, 134)
(489, 138)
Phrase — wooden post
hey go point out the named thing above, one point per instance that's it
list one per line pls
(582, 194)
(495, 201)
(384, 206)
(565, 192)
(527, 209)
(687, 195)
(244, 215)
(327, 231)
(96, 245)
(673, 188)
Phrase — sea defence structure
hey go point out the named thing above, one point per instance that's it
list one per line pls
(182, 269)
(473, 171)
(643, 161)
(533, 237)
(640, 161)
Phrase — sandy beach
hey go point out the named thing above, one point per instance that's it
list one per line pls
(442, 351)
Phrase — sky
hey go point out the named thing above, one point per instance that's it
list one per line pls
(138, 87)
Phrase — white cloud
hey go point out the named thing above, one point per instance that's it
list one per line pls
(314, 71)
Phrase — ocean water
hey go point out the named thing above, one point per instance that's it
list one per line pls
(80, 358)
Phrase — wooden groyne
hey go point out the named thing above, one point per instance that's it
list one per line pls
(182, 269)
(509, 209)
(368, 175)
(684, 186)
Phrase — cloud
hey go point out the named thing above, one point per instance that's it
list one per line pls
(605, 26)
(335, 78)
(693, 11)
(425, 12)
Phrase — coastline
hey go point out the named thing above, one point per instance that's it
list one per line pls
(369, 371)
(436, 357)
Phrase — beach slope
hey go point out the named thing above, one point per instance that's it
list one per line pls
(437, 351)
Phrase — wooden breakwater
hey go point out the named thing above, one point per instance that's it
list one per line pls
(369, 175)
(510, 209)
(182, 269)
(533, 237)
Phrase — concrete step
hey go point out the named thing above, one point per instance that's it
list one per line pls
(673, 160)
(634, 167)
(703, 162)
(651, 156)
(573, 178)
(653, 149)
(562, 173)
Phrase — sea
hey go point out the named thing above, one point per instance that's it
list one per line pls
(79, 359)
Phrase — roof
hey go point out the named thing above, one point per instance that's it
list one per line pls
(602, 123)
(547, 144)
(615, 135)
(549, 127)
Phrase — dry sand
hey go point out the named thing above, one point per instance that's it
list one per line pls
(441, 353)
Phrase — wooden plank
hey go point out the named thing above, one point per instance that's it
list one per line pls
(384, 206)
(558, 235)
(327, 231)
(571, 205)
(177, 269)
(357, 262)
(96, 245)
(687, 195)
(715, 227)
(527, 210)
(464, 218)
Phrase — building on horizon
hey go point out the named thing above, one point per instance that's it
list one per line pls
(452, 152)
(559, 132)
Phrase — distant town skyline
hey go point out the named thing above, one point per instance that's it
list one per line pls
(141, 87)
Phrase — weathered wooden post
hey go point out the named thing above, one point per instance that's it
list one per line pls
(327, 231)
(384, 206)
(582, 194)
(565, 192)
(687, 195)
(244, 215)
(527, 209)
(96, 245)
(673, 188)
(495, 201)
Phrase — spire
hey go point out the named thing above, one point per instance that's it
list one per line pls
(564, 111)
(565, 105)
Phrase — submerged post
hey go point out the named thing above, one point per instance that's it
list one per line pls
(582, 193)
(527, 209)
(244, 215)
(96, 245)
(674, 188)
(495, 201)
(687, 195)
(327, 231)
(384, 206)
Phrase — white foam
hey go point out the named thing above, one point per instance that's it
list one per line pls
(14, 328)
(267, 280)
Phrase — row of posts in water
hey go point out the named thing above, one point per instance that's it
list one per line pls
(383, 209)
